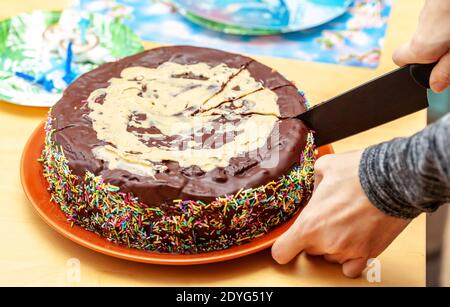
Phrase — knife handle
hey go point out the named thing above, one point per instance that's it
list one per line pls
(421, 73)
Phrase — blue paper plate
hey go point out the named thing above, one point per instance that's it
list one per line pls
(261, 16)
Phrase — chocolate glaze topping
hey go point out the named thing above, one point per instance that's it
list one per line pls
(75, 134)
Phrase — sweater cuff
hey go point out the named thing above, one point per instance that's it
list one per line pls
(379, 188)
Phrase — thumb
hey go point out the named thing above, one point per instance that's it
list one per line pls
(288, 245)
(353, 268)
(440, 76)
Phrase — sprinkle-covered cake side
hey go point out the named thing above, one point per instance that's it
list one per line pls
(182, 226)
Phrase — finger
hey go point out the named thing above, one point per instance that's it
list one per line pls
(318, 172)
(440, 76)
(400, 54)
(334, 258)
(353, 268)
(297, 237)
(288, 245)
(317, 179)
(406, 54)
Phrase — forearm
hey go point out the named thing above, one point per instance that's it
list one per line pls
(407, 176)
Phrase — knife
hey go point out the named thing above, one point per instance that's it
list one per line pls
(391, 96)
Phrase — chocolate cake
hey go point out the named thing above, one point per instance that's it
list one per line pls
(179, 149)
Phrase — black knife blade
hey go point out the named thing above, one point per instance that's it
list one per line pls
(391, 96)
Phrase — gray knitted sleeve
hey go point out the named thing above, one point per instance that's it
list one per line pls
(407, 176)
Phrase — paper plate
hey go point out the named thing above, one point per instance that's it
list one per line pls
(36, 44)
(261, 17)
(35, 187)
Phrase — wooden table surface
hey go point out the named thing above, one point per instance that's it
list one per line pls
(34, 254)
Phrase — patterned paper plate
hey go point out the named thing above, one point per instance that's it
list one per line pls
(261, 17)
(34, 52)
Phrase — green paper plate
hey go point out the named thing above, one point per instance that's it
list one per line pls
(226, 28)
(259, 17)
(36, 43)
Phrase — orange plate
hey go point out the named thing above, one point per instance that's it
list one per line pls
(35, 187)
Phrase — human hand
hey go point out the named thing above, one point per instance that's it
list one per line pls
(339, 221)
(430, 43)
